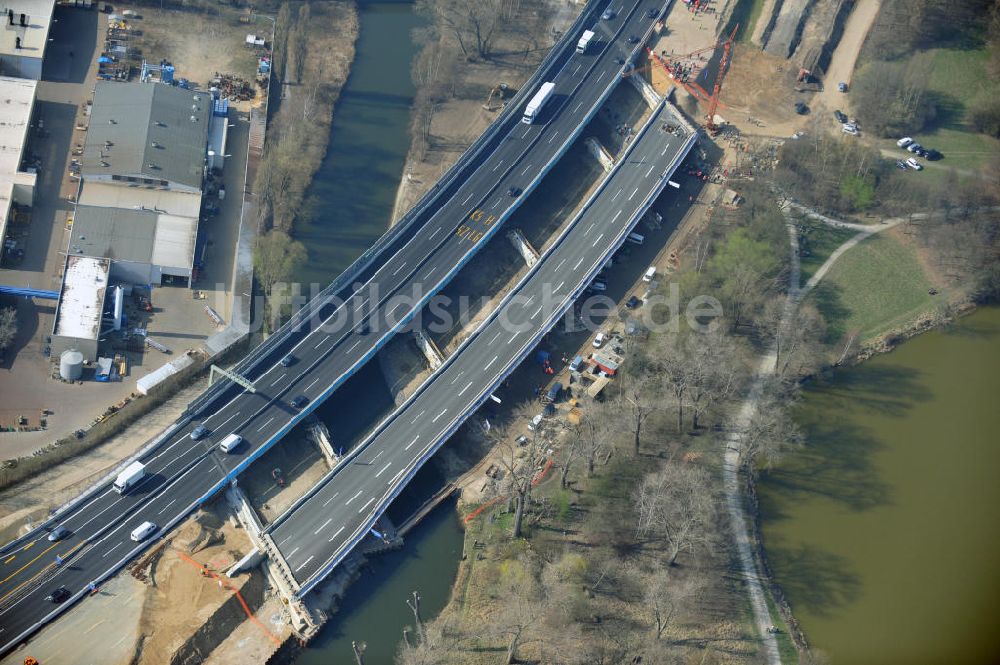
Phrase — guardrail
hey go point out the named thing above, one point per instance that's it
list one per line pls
(405, 225)
(317, 577)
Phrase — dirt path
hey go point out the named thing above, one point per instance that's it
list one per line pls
(845, 56)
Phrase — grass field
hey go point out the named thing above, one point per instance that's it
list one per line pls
(818, 242)
(874, 287)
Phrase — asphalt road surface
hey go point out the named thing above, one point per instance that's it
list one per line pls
(317, 532)
(183, 472)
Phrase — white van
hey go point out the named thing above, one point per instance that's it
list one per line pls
(230, 443)
(143, 531)
(535, 423)
(905, 141)
(636, 238)
(650, 274)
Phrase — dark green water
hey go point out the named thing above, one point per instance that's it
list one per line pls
(348, 206)
(884, 530)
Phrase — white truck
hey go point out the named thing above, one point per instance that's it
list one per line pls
(132, 474)
(581, 46)
(537, 103)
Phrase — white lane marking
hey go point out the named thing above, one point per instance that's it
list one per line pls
(436, 231)
(113, 549)
(633, 193)
(323, 341)
(418, 416)
(495, 336)
(335, 494)
(617, 194)
(537, 312)
(513, 337)
(552, 138)
(265, 424)
(382, 470)
(468, 385)
(457, 377)
(529, 301)
(354, 346)
(560, 265)
(577, 69)
(376, 457)
(316, 532)
(335, 535)
(496, 203)
(598, 240)
(490, 363)
(664, 151)
(439, 415)
(353, 498)
(467, 198)
(292, 553)
(396, 477)
(589, 229)
(578, 263)
(164, 509)
(526, 169)
(577, 107)
(499, 164)
(370, 502)
(617, 215)
(429, 272)
(560, 286)
(225, 421)
(305, 563)
(411, 442)
(278, 380)
(601, 76)
(401, 266)
(314, 382)
(651, 167)
(360, 305)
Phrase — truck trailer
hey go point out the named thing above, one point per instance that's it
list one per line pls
(132, 474)
(537, 103)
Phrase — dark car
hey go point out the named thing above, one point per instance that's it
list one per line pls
(633, 302)
(199, 432)
(933, 155)
(514, 192)
(608, 14)
(288, 360)
(900, 164)
(632, 39)
(58, 595)
(840, 116)
(652, 12)
(300, 401)
(801, 108)
(58, 533)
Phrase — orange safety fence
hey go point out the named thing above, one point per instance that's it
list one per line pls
(534, 481)
(225, 585)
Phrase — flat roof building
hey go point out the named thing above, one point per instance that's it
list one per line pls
(24, 34)
(81, 306)
(143, 245)
(149, 135)
(17, 101)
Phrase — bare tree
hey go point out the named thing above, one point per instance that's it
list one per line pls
(768, 434)
(664, 594)
(595, 431)
(521, 464)
(520, 608)
(675, 504)
(474, 25)
(8, 326)
(637, 400)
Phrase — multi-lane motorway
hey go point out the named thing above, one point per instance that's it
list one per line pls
(184, 472)
(317, 532)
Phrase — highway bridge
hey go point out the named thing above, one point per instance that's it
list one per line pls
(330, 339)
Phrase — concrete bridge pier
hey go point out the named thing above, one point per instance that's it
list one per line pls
(430, 350)
(522, 245)
(602, 155)
(317, 432)
(646, 89)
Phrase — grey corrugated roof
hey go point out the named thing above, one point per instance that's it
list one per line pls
(122, 235)
(135, 116)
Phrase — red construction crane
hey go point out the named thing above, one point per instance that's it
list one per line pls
(727, 49)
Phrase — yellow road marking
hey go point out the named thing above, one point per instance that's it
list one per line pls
(12, 557)
(29, 545)
(27, 564)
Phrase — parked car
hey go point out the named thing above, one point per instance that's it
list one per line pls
(599, 340)
(840, 116)
(841, 87)
(633, 302)
(933, 155)
(914, 164)
(801, 108)
(58, 533)
(848, 128)
(900, 164)
(598, 285)
(905, 141)
(913, 147)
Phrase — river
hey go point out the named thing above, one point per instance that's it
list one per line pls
(348, 206)
(883, 529)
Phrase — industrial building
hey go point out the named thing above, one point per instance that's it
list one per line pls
(147, 135)
(143, 245)
(17, 187)
(24, 36)
(81, 306)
